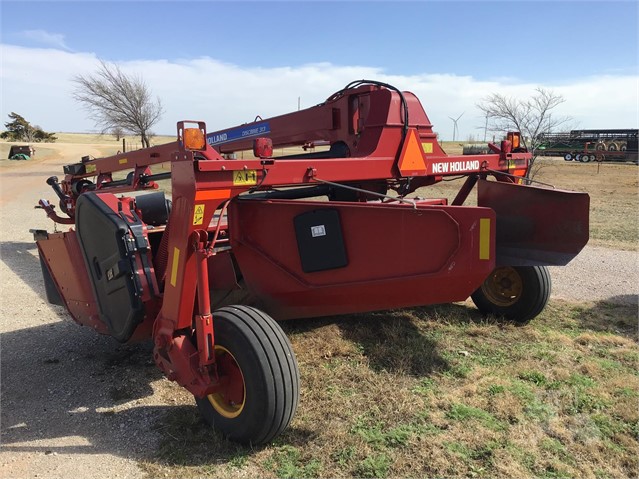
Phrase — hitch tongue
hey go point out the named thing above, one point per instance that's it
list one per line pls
(49, 209)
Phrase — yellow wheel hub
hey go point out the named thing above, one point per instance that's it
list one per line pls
(503, 287)
(230, 399)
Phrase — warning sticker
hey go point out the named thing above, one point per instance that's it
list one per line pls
(427, 147)
(123, 161)
(245, 177)
(90, 168)
(198, 215)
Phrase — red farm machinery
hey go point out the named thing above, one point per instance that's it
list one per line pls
(244, 242)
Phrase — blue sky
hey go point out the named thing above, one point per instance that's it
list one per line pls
(450, 53)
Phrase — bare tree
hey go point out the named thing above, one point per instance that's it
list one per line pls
(116, 100)
(118, 132)
(533, 117)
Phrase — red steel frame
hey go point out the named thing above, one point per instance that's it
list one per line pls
(381, 147)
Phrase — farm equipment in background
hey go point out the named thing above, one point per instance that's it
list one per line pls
(21, 152)
(591, 145)
(475, 149)
(307, 234)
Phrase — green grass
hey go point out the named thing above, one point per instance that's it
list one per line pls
(373, 466)
(465, 414)
(441, 392)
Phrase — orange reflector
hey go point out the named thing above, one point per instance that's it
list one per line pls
(194, 139)
(515, 138)
(411, 159)
(212, 195)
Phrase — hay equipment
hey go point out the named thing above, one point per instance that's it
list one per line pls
(337, 225)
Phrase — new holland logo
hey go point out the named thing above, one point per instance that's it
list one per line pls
(456, 166)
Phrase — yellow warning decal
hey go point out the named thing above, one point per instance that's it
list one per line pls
(174, 266)
(245, 177)
(198, 215)
(90, 168)
(511, 164)
(427, 147)
(123, 161)
(484, 238)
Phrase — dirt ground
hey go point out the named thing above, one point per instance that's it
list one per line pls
(76, 404)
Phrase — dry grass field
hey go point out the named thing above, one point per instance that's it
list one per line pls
(438, 391)
(441, 392)
(614, 194)
(72, 145)
(85, 138)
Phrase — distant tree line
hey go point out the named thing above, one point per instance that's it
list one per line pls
(19, 129)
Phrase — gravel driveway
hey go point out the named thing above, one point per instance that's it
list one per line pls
(598, 274)
(76, 404)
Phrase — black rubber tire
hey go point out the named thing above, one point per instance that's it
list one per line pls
(532, 299)
(269, 371)
(568, 157)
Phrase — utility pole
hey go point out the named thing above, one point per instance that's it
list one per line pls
(485, 128)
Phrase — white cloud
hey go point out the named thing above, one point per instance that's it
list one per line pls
(37, 84)
(54, 40)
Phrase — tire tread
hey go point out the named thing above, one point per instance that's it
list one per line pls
(271, 345)
(537, 287)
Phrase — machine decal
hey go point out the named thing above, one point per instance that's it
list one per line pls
(198, 215)
(245, 131)
(90, 168)
(123, 161)
(319, 230)
(484, 238)
(427, 147)
(174, 266)
(247, 177)
(456, 166)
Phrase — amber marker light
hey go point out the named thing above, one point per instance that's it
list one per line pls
(194, 139)
(515, 139)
